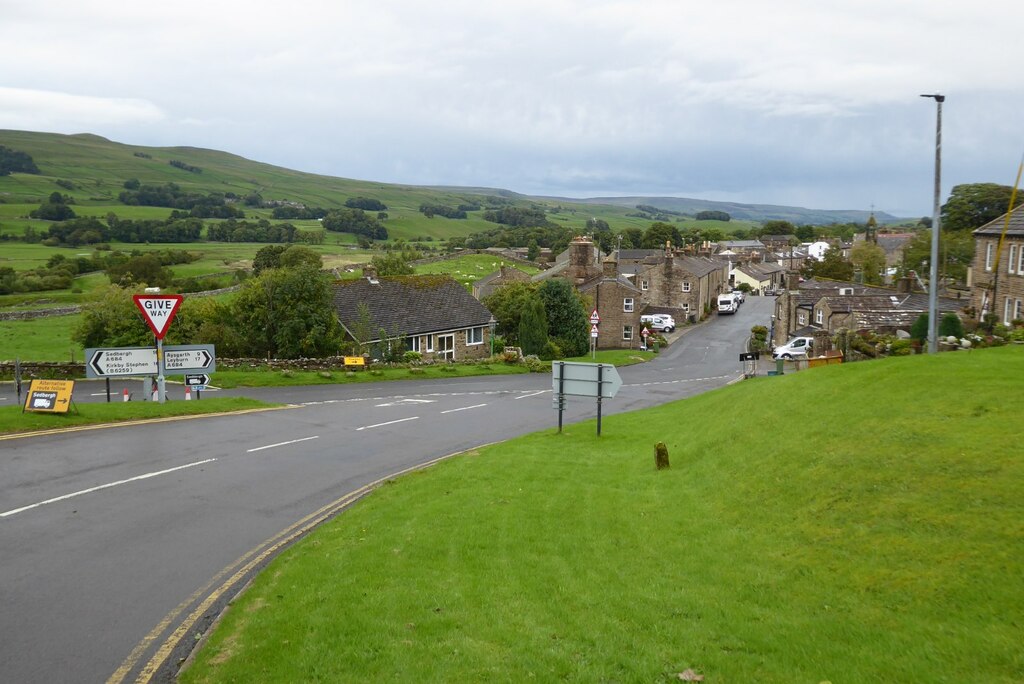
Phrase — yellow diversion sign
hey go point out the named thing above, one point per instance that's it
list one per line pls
(49, 396)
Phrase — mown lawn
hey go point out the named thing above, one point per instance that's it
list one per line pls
(856, 523)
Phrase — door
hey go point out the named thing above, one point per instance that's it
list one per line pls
(446, 347)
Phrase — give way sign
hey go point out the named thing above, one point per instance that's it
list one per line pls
(158, 310)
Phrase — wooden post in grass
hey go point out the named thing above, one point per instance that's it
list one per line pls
(661, 456)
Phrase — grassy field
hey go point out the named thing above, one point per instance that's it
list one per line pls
(40, 339)
(12, 420)
(855, 523)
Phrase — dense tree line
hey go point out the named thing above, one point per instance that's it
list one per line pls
(55, 208)
(365, 203)
(973, 205)
(554, 237)
(517, 216)
(178, 164)
(355, 221)
(713, 216)
(15, 161)
(432, 210)
(154, 230)
(245, 231)
(290, 213)
(170, 195)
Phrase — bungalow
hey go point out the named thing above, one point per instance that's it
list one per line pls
(429, 314)
(762, 278)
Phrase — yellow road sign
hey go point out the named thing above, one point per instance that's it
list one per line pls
(49, 396)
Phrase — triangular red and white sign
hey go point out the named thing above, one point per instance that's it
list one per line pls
(158, 310)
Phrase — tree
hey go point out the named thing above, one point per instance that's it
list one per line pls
(870, 259)
(778, 228)
(392, 264)
(144, 269)
(299, 255)
(567, 316)
(507, 303)
(950, 324)
(833, 266)
(532, 250)
(111, 319)
(267, 257)
(632, 238)
(919, 330)
(973, 205)
(956, 251)
(287, 313)
(659, 234)
(533, 327)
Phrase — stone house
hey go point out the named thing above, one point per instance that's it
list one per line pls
(997, 281)
(685, 286)
(762, 277)
(619, 303)
(492, 281)
(430, 314)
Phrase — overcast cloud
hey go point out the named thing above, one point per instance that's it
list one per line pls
(796, 102)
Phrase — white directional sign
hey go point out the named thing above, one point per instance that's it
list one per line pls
(189, 358)
(107, 363)
(158, 310)
(581, 379)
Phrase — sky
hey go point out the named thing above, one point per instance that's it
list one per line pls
(793, 102)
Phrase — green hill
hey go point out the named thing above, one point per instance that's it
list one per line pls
(853, 523)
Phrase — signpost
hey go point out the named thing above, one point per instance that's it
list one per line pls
(749, 361)
(190, 358)
(49, 396)
(120, 362)
(595, 320)
(599, 380)
(158, 310)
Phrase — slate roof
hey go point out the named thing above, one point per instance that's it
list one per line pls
(741, 244)
(409, 305)
(995, 228)
(698, 266)
(891, 242)
(621, 280)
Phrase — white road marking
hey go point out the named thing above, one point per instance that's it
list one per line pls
(404, 400)
(271, 446)
(672, 382)
(464, 408)
(531, 394)
(103, 486)
(390, 422)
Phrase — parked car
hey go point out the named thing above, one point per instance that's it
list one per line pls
(727, 303)
(659, 322)
(740, 296)
(796, 348)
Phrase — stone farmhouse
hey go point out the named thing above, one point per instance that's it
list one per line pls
(430, 314)
(996, 277)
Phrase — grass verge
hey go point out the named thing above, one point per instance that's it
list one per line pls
(266, 377)
(12, 420)
(851, 523)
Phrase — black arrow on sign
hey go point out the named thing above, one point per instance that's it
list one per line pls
(95, 363)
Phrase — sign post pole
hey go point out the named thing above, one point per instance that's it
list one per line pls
(600, 379)
(561, 394)
(161, 387)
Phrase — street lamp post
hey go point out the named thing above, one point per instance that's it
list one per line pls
(933, 266)
(492, 324)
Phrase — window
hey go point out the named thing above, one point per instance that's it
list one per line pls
(1018, 311)
(686, 307)
(430, 343)
(475, 336)
(1006, 311)
(802, 319)
(1020, 261)
(446, 347)
(1011, 266)
(627, 332)
(627, 304)
(819, 316)
(412, 343)
(686, 286)
(988, 256)
(644, 285)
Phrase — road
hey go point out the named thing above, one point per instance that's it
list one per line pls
(114, 538)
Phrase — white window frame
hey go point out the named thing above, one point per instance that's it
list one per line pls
(989, 249)
(627, 305)
(1018, 310)
(1011, 263)
(819, 316)
(686, 307)
(686, 286)
(644, 285)
(627, 332)
(430, 344)
(801, 318)
(447, 354)
(474, 336)
(1020, 261)
(414, 343)
(1006, 311)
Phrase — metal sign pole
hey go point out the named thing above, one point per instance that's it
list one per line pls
(161, 389)
(600, 380)
(17, 377)
(561, 396)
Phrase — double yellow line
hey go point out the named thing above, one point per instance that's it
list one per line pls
(218, 587)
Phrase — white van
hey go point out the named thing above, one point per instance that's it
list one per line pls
(728, 303)
(796, 348)
(659, 322)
